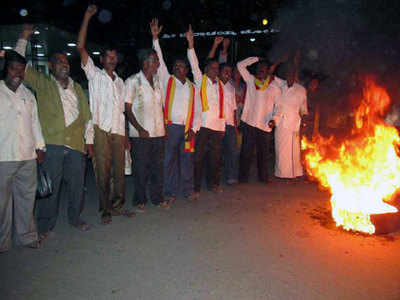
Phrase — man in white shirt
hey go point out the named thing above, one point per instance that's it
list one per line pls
(262, 92)
(230, 151)
(182, 118)
(229, 142)
(106, 97)
(290, 107)
(209, 137)
(67, 128)
(144, 110)
(21, 142)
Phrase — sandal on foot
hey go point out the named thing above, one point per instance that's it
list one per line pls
(170, 199)
(193, 197)
(122, 212)
(164, 205)
(106, 220)
(34, 245)
(4, 249)
(140, 208)
(82, 226)
(43, 236)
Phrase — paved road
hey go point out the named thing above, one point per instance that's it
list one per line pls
(253, 241)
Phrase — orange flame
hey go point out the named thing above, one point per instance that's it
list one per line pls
(362, 172)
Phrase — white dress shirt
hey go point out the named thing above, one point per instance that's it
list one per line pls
(230, 103)
(182, 94)
(70, 105)
(259, 105)
(20, 131)
(210, 118)
(146, 104)
(290, 106)
(106, 99)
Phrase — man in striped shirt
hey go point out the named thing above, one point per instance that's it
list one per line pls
(106, 97)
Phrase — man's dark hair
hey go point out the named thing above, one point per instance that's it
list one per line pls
(108, 48)
(180, 59)
(144, 54)
(208, 61)
(12, 56)
(53, 56)
(223, 65)
(284, 68)
(263, 62)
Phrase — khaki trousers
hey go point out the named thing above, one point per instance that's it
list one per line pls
(17, 198)
(109, 163)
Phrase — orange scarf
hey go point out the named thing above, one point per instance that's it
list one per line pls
(169, 100)
(204, 100)
(262, 85)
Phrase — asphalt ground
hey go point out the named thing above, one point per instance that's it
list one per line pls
(252, 241)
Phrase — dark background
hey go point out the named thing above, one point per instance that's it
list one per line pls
(337, 38)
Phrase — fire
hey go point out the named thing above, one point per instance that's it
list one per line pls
(363, 171)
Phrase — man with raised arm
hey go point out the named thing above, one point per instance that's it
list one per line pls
(144, 110)
(223, 54)
(67, 128)
(22, 143)
(209, 137)
(182, 118)
(106, 97)
(229, 142)
(261, 94)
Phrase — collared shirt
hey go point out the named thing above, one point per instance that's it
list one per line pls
(290, 106)
(230, 103)
(259, 104)
(68, 98)
(182, 94)
(69, 101)
(70, 105)
(106, 99)
(20, 131)
(146, 104)
(210, 118)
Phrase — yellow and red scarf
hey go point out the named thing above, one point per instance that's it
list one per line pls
(169, 101)
(262, 85)
(203, 96)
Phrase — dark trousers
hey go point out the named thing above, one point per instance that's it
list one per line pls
(66, 165)
(109, 161)
(231, 153)
(208, 142)
(177, 163)
(148, 165)
(254, 138)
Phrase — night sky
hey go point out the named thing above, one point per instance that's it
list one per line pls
(358, 34)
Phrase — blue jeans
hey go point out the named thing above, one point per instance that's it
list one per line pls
(178, 165)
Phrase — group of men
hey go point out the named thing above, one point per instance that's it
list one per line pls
(176, 128)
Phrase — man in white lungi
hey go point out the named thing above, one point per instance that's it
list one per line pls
(288, 111)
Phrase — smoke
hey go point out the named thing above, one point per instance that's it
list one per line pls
(343, 40)
(337, 38)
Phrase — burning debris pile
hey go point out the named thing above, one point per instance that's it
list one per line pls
(362, 172)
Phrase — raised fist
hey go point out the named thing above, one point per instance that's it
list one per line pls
(91, 10)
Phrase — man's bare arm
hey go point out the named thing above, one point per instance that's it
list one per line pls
(90, 11)
(223, 55)
(218, 40)
(132, 119)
